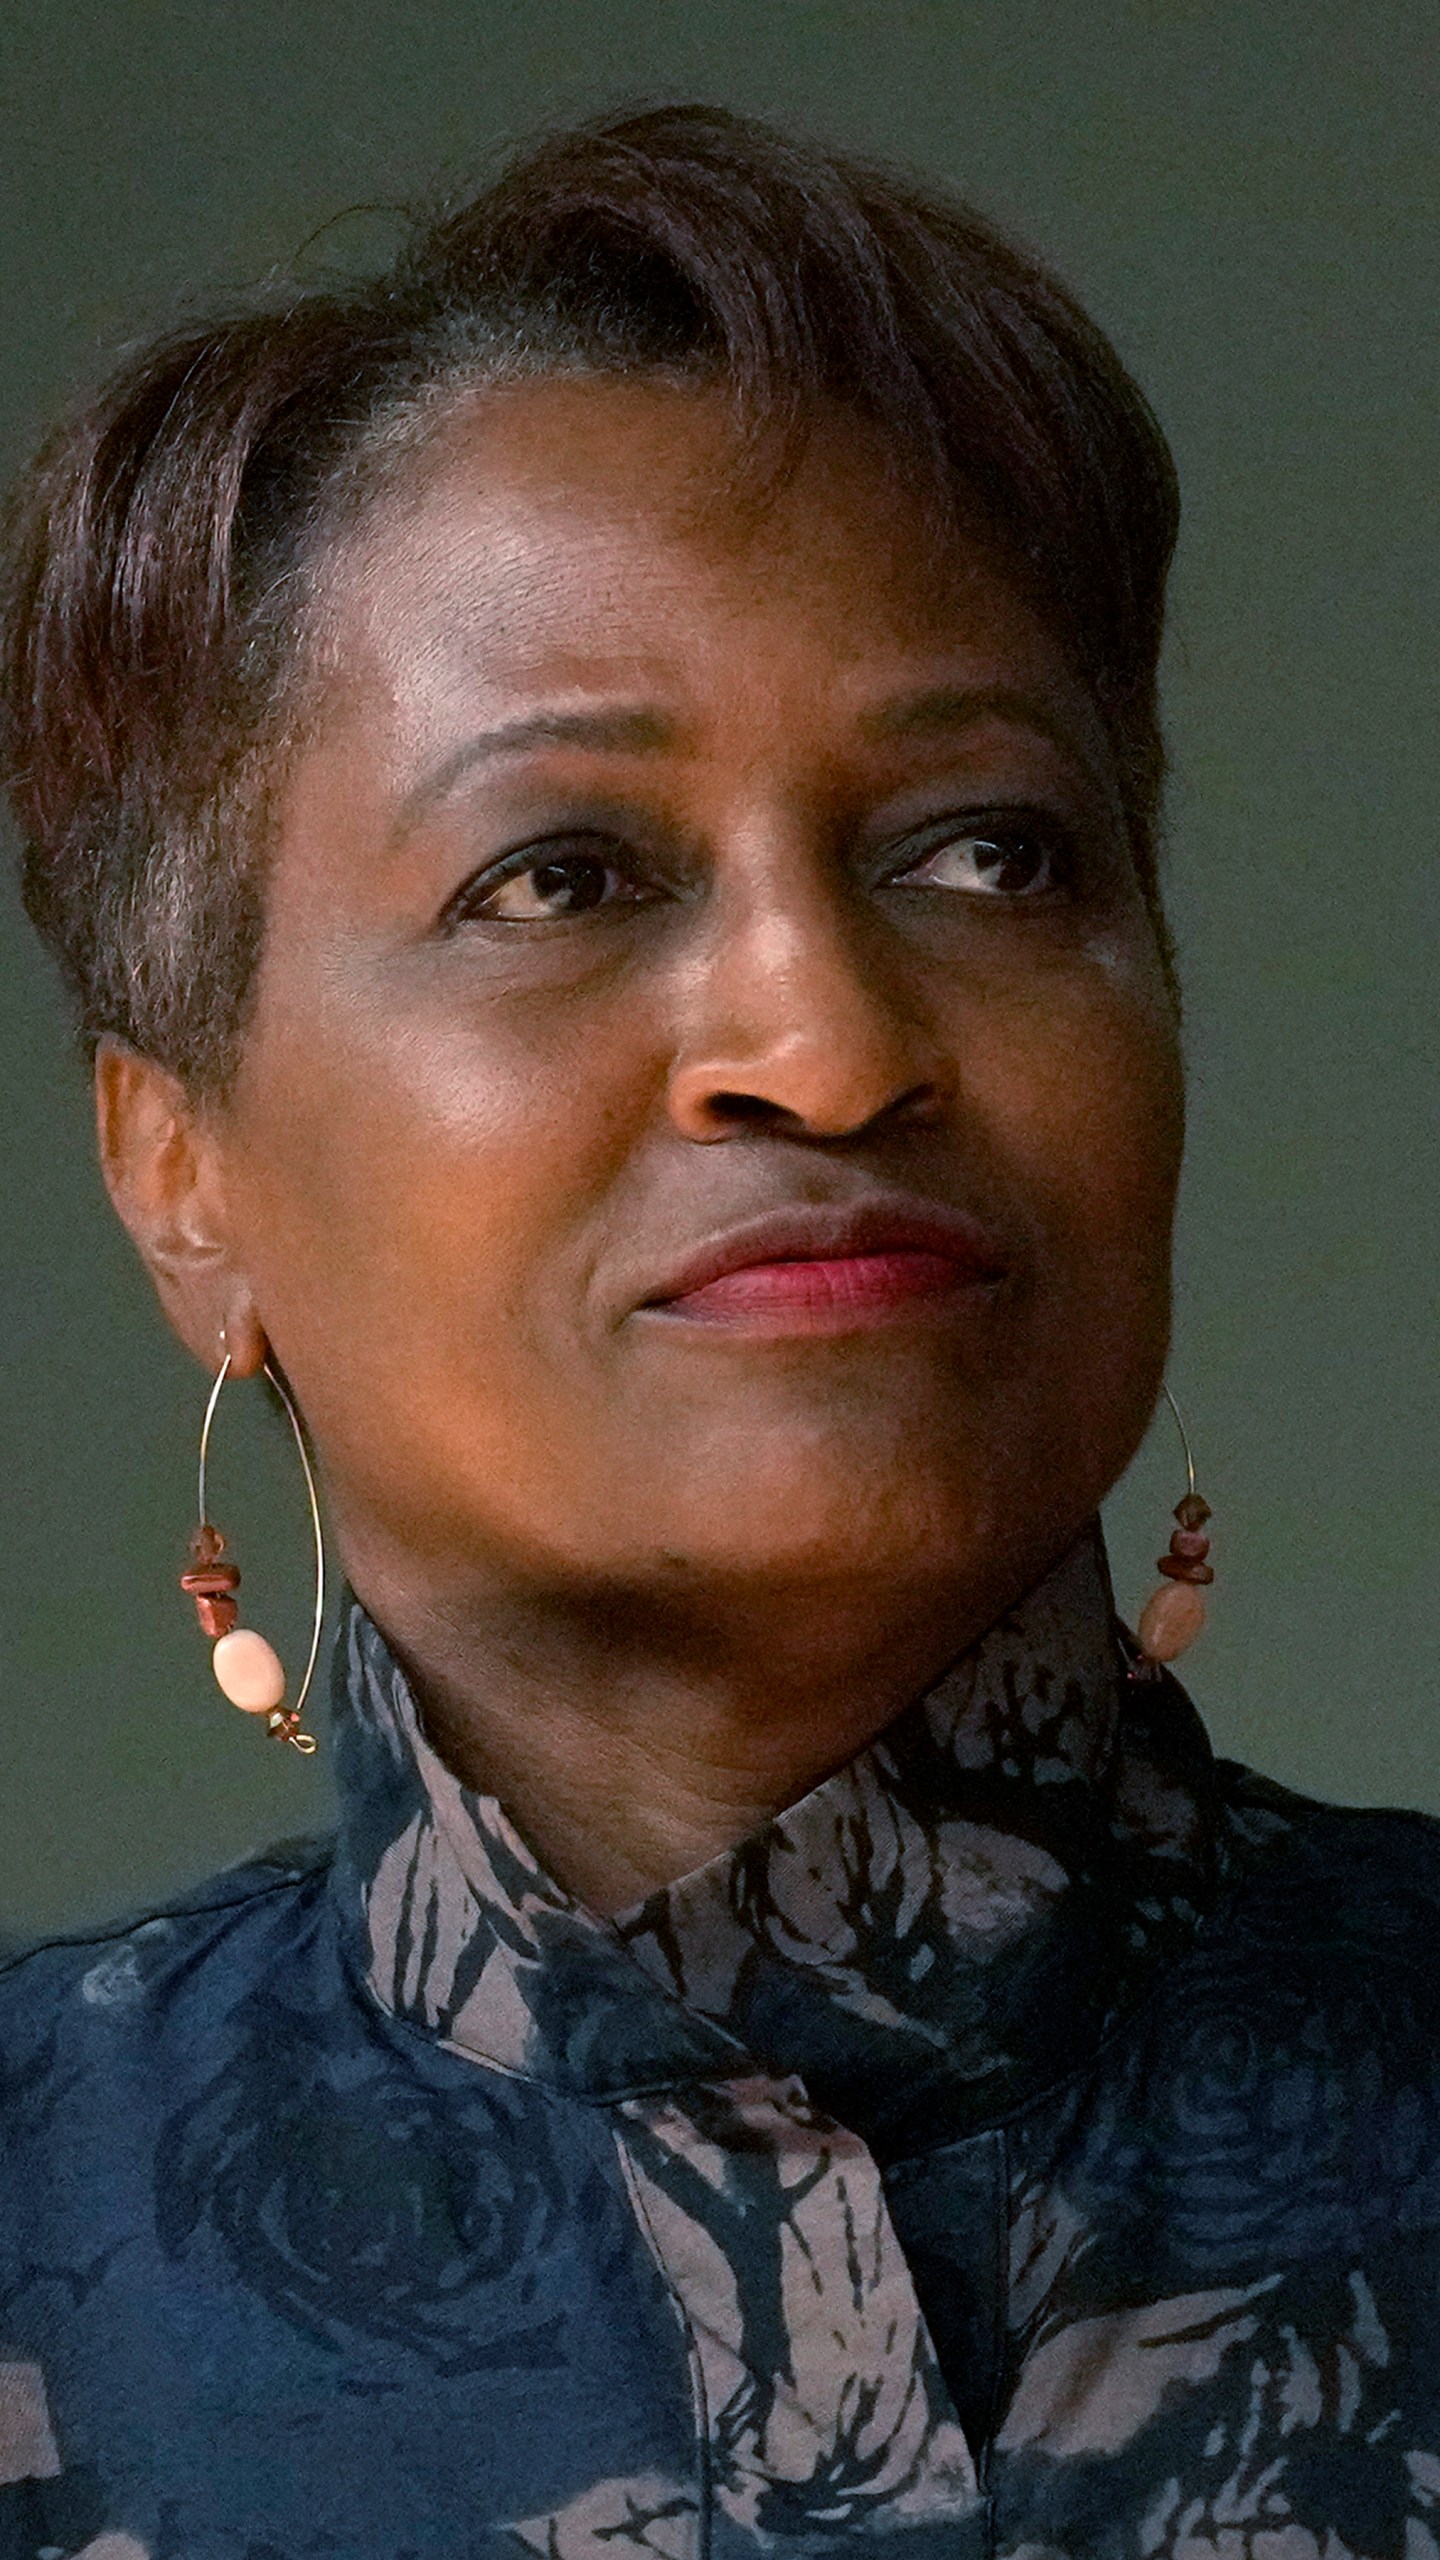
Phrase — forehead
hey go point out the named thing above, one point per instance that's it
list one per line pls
(583, 532)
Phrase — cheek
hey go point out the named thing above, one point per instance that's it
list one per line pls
(1083, 1079)
(1082, 1096)
(1092, 1107)
(418, 1192)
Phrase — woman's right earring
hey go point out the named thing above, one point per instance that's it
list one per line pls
(246, 1665)
(1174, 1615)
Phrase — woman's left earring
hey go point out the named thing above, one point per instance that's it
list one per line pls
(246, 1665)
(1174, 1615)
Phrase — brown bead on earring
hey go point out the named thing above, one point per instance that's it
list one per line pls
(211, 1583)
(1174, 1615)
(247, 1668)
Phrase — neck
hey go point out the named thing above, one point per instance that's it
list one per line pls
(629, 1742)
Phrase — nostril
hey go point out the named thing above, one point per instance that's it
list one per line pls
(731, 1108)
(750, 1111)
(924, 1102)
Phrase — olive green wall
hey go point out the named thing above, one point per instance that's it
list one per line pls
(1243, 194)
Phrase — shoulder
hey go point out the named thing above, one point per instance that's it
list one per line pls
(206, 1944)
(1274, 2103)
(1321, 1949)
(1364, 1878)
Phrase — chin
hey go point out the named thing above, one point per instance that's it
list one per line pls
(803, 1526)
(953, 1501)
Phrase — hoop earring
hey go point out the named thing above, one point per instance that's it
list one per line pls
(249, 1670)
(1174, 1615)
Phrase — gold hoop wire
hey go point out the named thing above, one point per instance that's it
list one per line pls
(1184, 1439)
(303, 1742)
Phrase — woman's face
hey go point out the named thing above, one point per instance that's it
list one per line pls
(667, 886)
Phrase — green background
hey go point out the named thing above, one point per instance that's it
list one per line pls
(1244, 194)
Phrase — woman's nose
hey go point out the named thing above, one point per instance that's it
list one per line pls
(798, 1023)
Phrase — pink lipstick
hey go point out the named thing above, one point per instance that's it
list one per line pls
(830, 1270)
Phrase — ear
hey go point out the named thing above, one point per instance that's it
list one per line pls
(163, 1162)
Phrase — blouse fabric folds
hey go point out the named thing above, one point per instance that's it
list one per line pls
(1027, 2145)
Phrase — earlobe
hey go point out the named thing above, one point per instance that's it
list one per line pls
(162, 1161)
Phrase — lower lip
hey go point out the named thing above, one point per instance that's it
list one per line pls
(841, 1296)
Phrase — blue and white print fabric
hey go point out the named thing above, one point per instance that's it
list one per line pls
(1027, 2145)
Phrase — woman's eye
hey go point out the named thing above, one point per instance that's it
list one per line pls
(550, 881)
(1011, 861)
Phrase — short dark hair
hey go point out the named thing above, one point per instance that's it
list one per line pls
(162, 549)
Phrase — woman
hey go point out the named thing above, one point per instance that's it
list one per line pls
(598, 798)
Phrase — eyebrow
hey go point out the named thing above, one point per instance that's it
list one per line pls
(641, 729)
(619, 731)
(940, 709)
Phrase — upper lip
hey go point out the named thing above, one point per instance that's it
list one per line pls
(826, 1232)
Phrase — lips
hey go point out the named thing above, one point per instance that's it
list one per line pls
(829, 1269)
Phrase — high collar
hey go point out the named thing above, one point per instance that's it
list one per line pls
(927, 1939)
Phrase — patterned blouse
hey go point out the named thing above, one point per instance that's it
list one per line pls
(1027, 2145)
